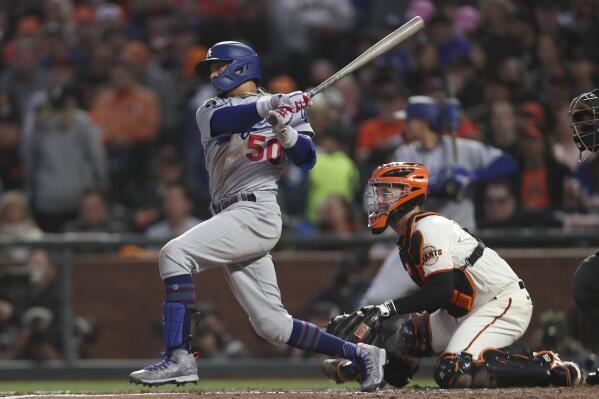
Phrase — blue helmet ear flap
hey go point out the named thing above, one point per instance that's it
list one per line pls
(244, 65)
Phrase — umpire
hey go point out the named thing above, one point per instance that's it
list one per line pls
(584, 123)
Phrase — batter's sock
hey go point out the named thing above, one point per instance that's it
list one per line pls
(176, 314)
(310, 337)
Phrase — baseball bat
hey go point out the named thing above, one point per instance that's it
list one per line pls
(379, 48)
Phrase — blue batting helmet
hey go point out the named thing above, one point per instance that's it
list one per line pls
(426, 108)
(244, 64)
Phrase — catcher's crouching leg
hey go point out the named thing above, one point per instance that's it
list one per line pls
(505, 368)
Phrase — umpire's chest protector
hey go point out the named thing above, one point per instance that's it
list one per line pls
(411, 252)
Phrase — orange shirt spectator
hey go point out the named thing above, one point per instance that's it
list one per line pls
(126, 112)
(380, 135)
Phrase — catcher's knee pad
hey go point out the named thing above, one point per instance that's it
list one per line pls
(454, 370)
(275, 328)
(172, 260)
(411, 339)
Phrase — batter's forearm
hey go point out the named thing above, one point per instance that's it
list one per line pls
(303, 153)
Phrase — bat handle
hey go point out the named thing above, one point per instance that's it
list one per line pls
(272, 119)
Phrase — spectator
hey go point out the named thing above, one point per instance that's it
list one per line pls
(500, 205)
(16, 222)
(8, 329)
(334, 173)
(504, 127)
(137, 57)
(541, 182)
(336, 216)
(380, 135)
(129, 117)
(563, 148)
(63, 157)
(177, 207)
(11, 171)
(37, 337)
(94, 215)
(24, 75)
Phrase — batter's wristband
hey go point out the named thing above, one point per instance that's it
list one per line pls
(287, 137)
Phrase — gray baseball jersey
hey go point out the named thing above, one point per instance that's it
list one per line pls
(240, 237)
(472, 155)
(248, 161)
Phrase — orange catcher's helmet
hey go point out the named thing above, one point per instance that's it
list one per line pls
(394, 189)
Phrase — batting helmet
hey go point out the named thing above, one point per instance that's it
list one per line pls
(244, 65)
(425, 108)
(393, 190)
(584, 121)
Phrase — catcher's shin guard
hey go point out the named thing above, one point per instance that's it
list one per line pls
(508, 368)
(505, 369)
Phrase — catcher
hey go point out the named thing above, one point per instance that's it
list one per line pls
(472, 306)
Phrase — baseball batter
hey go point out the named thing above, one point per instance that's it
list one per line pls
(244, 155)
(475, 303)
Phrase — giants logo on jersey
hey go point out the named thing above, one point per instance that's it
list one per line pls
(430, 255)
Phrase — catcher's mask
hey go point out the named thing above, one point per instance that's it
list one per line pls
(393, 190)
(584, 121)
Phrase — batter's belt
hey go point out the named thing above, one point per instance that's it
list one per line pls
(219, 206)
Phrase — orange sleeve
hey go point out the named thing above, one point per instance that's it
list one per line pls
(366, 134)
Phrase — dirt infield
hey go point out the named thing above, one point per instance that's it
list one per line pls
(581, 392)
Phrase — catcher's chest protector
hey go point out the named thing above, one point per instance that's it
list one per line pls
(412, 257)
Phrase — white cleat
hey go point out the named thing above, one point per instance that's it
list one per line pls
(178, 367)
(371, 360)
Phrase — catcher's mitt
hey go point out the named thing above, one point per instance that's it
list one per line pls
(363, 325)
(366, 325)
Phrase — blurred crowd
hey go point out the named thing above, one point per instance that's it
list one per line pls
(98, 101)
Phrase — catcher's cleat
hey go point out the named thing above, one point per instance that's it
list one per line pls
(563, 374)
(566, 374)
(177, 367)
(371, 361)
(340, 370)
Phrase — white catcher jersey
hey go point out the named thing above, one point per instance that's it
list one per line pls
(472, 155)
(446, 246)
(243, 161)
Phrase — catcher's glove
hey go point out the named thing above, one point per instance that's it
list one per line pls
(363, 325)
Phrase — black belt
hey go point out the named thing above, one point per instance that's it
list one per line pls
(476, 254)
(218, 207)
